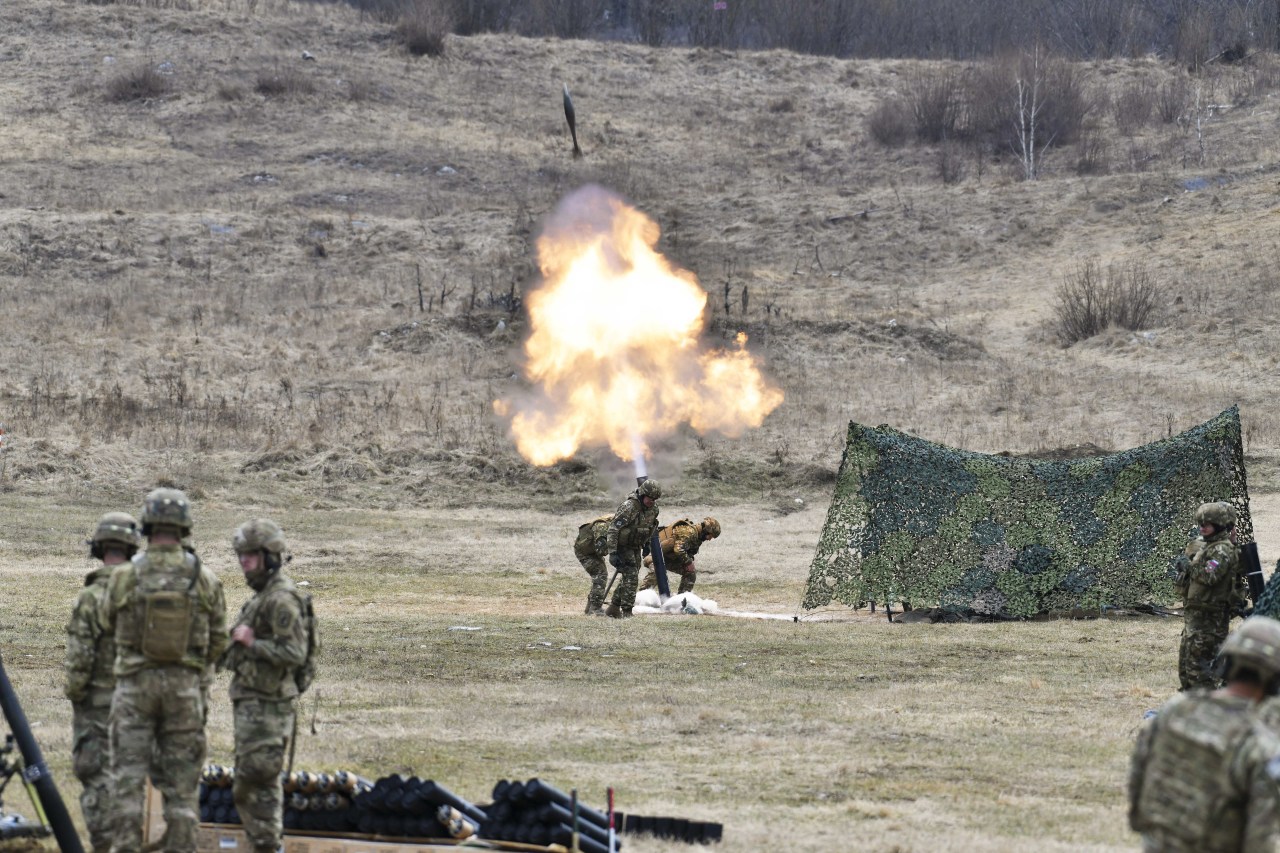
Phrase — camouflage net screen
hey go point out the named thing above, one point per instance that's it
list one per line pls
(932, 526)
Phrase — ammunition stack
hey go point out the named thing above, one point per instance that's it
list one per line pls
(670, 828)
(534, 812)
(416, 808)
(312, 801)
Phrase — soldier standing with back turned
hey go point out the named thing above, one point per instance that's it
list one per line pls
(1211, 588)
(271, 662)
(632, 526)
(1203, 775)
(168, 616)
(90, 663)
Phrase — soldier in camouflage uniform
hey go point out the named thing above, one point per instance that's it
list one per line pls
(591, 547)
(629, 530)
(90, 662)
(1212, 590)
(680, 543)
(270, 643)
(1203, 776)
(168, 616)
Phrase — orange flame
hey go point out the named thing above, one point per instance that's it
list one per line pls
(614, 344)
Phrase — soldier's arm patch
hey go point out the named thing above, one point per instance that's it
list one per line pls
(1211, 566)
(284, 619)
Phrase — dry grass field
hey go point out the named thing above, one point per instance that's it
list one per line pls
(211, 259)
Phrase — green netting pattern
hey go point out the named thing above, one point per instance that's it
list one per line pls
(932, 526)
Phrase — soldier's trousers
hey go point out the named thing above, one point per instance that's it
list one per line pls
(91, 762)
(159, 709)
(1203, 632)
(588, 553)
(687, 579)
(624, 595)
(263, 728)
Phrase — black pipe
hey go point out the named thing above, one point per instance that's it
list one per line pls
(556, 813)
(541, 792)
(561, 834)
(36, 771)
(1251, 568)
(441, 796)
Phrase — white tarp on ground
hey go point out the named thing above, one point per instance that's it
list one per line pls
(648, 601)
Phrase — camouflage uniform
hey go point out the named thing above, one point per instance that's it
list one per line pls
(631, 527)
(680, 543)
(1209, 579)
(591, 547)
(168, 616)
(263, 691)
(91, 654)
(1201, 778)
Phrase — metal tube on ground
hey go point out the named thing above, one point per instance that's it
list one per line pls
(561, 834)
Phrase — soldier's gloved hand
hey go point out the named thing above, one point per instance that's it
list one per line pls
(615, 560)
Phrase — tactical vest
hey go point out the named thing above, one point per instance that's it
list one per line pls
(1186, 791)
(682, 530)
(259, 677)
(161, 616)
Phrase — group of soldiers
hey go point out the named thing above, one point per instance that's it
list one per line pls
(1205, 773)
(148, 631)
(623, 538)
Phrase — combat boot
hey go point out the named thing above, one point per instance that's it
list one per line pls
(595, 611)
(614, 612)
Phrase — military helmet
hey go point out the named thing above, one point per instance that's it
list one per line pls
(169, 507)
(260, 534)
(710, 528)
(650, 489)
(1256, 644)
(118, 527)
(1220, 514)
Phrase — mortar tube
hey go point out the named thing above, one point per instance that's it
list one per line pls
(441, 796)
(556, 813)
(561, 834)
(35, 772)
(541, 792)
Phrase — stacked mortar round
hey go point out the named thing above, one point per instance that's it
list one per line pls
(534, 812)
(410, 807)
(312, 801)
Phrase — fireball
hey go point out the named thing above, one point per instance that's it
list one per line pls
(614, 348)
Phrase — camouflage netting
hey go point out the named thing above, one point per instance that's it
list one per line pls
(932, 526)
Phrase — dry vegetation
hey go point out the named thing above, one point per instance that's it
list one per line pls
(293, 287)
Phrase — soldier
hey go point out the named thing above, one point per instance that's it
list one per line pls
(591, 547)
(680, 543)
(1203, 776)
(631, 527)
(270, 657)
(1212, 590)
(91, 657)
(168, 616)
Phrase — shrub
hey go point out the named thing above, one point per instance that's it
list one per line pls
(283, 80)
(1172, 98)
(481, 16)
(890, 123)
(1091, 301)
(935, 101)
(567, 19)
(140, 83)
(1133, 106)
(423, 27)
(1063, 104)
(652, 20)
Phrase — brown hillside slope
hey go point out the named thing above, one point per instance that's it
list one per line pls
(225, 276)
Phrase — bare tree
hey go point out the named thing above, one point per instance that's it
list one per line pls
(1030, 106)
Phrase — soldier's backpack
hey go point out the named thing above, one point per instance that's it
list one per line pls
(306, 673)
